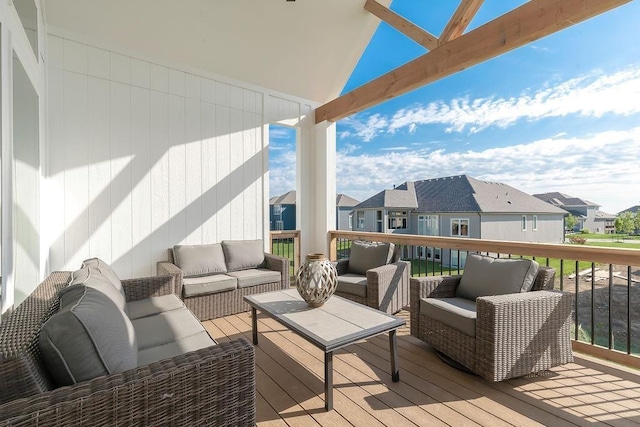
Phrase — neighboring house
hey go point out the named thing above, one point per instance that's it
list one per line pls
(460, 206)
(282, 211)
(633, 210)
(589, 215)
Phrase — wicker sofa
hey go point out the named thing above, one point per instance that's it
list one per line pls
(501, 333)
(374, 276)
(214, 385)
(213, 279)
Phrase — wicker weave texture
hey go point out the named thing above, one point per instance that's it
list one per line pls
(212, 386)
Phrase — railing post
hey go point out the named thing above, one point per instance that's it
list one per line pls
(296, 249)
(333, 247)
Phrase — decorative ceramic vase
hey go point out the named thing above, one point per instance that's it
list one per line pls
(316, 280)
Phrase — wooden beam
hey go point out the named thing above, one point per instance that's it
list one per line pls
(531, 21)
(401, 24)
(460, 20)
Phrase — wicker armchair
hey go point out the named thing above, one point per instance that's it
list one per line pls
(515, 334)
(211, 386)
(387, 286)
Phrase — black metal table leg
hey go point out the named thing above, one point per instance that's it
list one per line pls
(328, 380)
(254, 325)
(393, 350)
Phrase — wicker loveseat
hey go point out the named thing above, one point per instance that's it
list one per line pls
(501, 334)
(214, 385)
(213, 279)
(374, 276)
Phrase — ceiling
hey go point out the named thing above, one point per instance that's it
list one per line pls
(306, 48)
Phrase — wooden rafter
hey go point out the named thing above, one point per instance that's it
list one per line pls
(401, 24)
(531, 21)
(460, 20)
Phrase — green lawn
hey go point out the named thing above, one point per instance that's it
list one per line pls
(615, 244)
(612, 237)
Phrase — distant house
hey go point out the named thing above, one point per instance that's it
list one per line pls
(633, 210)
(282, 211)
(588, 213)
(460, 206)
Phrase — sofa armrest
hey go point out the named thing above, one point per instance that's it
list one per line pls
(212, 386)
(428, 287)
(166, 267)
(520, 331)
(280, 264)
(388, 286)
(342, 266)
(145, 287)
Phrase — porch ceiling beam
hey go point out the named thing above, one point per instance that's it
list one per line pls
(529, 22)
(460, 20)
(401, 24)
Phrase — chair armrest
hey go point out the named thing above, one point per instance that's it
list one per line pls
(165, 267)
(280, 264)
(342, 266)
(388, 286)
(516, 332)
(145, 287)
(428, 287)
(215, 385)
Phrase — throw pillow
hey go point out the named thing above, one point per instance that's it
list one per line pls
(367, 255)
(484, 276)
(243, 254)
(199, 260)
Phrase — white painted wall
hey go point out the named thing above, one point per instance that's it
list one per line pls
(143, 157)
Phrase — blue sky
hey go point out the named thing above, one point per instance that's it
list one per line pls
(560, 114)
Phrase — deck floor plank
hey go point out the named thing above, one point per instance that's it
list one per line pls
(290, 385)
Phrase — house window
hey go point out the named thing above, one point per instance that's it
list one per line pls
(535, 223)
(350, 221)
(397, 220)
(360, 216)
(428, 225)
(460, 227)
(524, 223)
(433, 253)
(279, 225)
(277, 209)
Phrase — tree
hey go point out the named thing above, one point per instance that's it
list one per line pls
(636, 221)
(625, 223)
(570, 222)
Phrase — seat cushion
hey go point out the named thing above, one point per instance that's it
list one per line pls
(205, 285)
(94, 278)
(255, 276)
(153, 305)
(106, 271)
(457, 313)
(243, 254)
(166, 327)
(183, 345)
(87, 338)
(199, 260)
(485, 276)
(352, 284)
(367, 255)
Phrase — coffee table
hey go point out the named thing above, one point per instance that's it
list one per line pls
(336, 324)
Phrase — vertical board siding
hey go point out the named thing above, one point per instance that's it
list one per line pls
(144, 157)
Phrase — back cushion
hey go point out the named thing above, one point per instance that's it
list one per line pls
(199, 260)
(485, 276)
(93, 278)
(243, 254)
(367, 255)
(87, 338)
(106, 271)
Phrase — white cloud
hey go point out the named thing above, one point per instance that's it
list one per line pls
(589, 96)
(602, 167)
(394, 149)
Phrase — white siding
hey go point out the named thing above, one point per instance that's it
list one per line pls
(145, 157)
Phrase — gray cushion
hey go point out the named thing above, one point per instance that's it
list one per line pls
(205, 285)
(153, 305)
(166, 327)
(243, 254)
(457, 313)
(485, 275)
(94, 278)
(352, 284)
(255, 276)
(199, 260)
(106, 271)
(87, 338)
(367, 255)
(175, 348)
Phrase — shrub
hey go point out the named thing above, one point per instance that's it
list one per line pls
(576, 240)
(585, 231)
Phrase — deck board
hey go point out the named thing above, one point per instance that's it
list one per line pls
(290, 386)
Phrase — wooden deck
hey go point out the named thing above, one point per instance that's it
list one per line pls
(290, 388)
